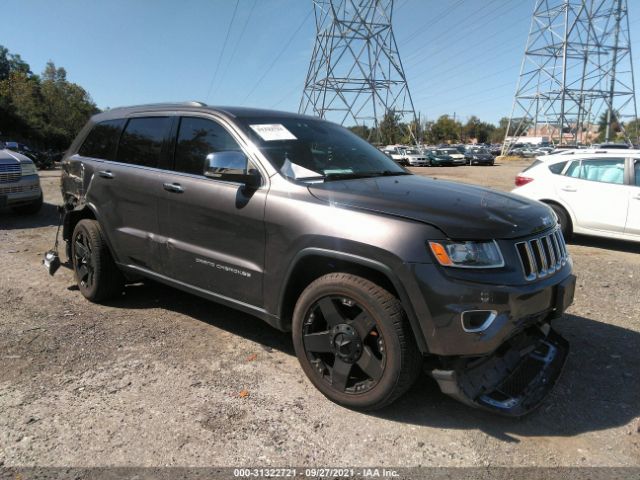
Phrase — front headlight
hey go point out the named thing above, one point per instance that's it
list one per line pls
(28, 168)
(467, 254)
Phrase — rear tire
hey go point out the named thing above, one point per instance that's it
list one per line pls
(29, 208)
(564, 220)
(98, 277)
(353, 341)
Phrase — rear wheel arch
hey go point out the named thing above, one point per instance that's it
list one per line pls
(71, 219)
(311, 264)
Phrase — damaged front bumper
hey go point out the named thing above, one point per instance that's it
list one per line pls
(513, 380)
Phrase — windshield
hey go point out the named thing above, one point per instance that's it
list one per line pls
(308, 149)
(445, 152)
(410, 151)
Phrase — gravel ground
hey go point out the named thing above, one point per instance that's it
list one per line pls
(160, 377)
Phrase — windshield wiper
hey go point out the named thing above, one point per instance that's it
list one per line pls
(366, 174)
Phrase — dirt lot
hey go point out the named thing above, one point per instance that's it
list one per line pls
(155, 378)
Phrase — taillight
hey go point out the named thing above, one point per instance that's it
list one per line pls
(520, 180)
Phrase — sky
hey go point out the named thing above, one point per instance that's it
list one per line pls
(460, 57)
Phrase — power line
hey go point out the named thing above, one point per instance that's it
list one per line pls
(417, 32)
(481, 26)
(224, 46)
(275, 60)
(244, 28)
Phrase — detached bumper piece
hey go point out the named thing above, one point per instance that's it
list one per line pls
(515, 379)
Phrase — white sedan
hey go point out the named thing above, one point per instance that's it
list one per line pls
(594, 193)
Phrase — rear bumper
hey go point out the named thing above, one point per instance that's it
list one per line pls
(25, 190)
(515, 379)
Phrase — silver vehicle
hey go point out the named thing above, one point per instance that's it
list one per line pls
(415, 157)
(19, 182)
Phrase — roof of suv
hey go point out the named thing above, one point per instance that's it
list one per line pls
(237, 112)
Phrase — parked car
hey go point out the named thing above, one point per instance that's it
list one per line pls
(456, 157)
(300, 222)
(396, 153)
(19, 183)
(415, 157)
(41, 160)
(437, 158)
(479, 156)
(591, 193)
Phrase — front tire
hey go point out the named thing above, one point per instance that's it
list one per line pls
(353, 341)
(98, 277)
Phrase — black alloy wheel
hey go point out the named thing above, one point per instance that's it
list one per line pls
(83, 260)
(343, 344)
(353, 341)
(98, 276)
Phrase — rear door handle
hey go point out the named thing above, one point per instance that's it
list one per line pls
(637, 197)
(106, 174)
(173, 187)
(569, 188)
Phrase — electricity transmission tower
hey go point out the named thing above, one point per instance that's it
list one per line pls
(355, 76)
(577, 73)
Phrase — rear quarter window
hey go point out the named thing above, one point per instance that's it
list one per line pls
(102, 140)
(557, 168)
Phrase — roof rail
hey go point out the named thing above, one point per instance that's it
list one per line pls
(190, 103)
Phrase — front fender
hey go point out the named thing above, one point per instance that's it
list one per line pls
(383, 268)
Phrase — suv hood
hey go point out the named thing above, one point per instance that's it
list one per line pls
(461, 211)
(8, 156)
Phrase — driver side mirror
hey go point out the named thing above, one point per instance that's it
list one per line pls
(232, 166)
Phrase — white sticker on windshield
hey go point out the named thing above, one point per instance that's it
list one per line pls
(273, 131)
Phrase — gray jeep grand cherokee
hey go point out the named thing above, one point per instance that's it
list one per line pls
(375, 271)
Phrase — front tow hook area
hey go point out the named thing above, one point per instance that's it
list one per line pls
(515, 379)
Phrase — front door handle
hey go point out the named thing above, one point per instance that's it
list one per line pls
(637, 197)
(569, 188)
(106, 174)
(173, 187)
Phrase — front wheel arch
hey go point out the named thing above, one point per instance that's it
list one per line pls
(312, 263)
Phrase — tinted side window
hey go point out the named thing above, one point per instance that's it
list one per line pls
(637, 172)
(197, 138)
(102, 140)
(141, 142)
(557, 167)
(610, 170)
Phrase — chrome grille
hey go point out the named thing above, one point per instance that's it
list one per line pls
(10, 172)
(542, 256)
(18, 189)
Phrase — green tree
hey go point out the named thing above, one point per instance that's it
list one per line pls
(445, 129)
(614, 130)
(10, 63)
(362, 131)
(390, 129)
(45, 111)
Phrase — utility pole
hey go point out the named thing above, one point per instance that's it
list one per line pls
(577, 65)
(355, 75)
